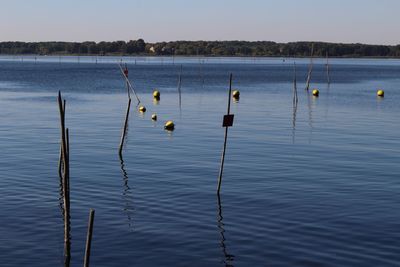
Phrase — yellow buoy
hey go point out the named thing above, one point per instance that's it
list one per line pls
(380, 93)
(315, 92)
(156, 94)
(142, 109)
(154, 117)
(236, 94)
(169, 125)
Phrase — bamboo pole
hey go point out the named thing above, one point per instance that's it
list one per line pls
(121, 144)
(65, 151)
(89, 238)
(225, 139)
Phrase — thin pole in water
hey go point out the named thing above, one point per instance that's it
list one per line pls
(128, 82)
(89, 238)
(228, 122)
(179, 87)
(121, 144)
(65, 180)
(295, 97)
(327, 69)
(310, 68)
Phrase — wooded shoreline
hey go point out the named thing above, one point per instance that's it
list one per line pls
(201, 48)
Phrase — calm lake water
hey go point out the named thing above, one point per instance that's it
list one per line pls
(316, 187)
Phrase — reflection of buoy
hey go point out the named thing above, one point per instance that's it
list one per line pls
(142, 109)
(380, 93)
(315, 92)
(154, 117)
(156, 94)
(236, 94)
(169, 125)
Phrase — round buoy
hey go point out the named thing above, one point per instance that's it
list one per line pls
(236, 94)
(156, 94)
(380, 93)
(154, 117)
(169, 125)
(142, 109)
(315, 92)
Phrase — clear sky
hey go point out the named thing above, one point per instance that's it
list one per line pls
(365, 21)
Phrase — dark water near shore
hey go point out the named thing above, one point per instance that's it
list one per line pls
(321, 188)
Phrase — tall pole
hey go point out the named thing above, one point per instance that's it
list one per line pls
(225, 139)
(65, 180)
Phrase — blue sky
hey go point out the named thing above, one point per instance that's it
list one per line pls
(365, 21)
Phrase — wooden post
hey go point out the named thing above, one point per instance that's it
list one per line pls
(228, 121)
(89, 238)
(121, 144)
(65, 180)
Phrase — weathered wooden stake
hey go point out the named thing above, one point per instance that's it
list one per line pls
(121, 144)
(228, 122)
(89, 238)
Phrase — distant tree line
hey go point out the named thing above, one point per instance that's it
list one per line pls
(200, 48)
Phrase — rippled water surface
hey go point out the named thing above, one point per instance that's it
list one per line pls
(314, 186)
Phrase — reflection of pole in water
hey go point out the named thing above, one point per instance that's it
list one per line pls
(294, 123)
(228, 258)
(310, 119)
(327, 103)
(327, 69)
(127, 194)
(201, 73)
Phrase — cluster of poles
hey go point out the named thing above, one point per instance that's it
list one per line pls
(64, 166)
(64, 174)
